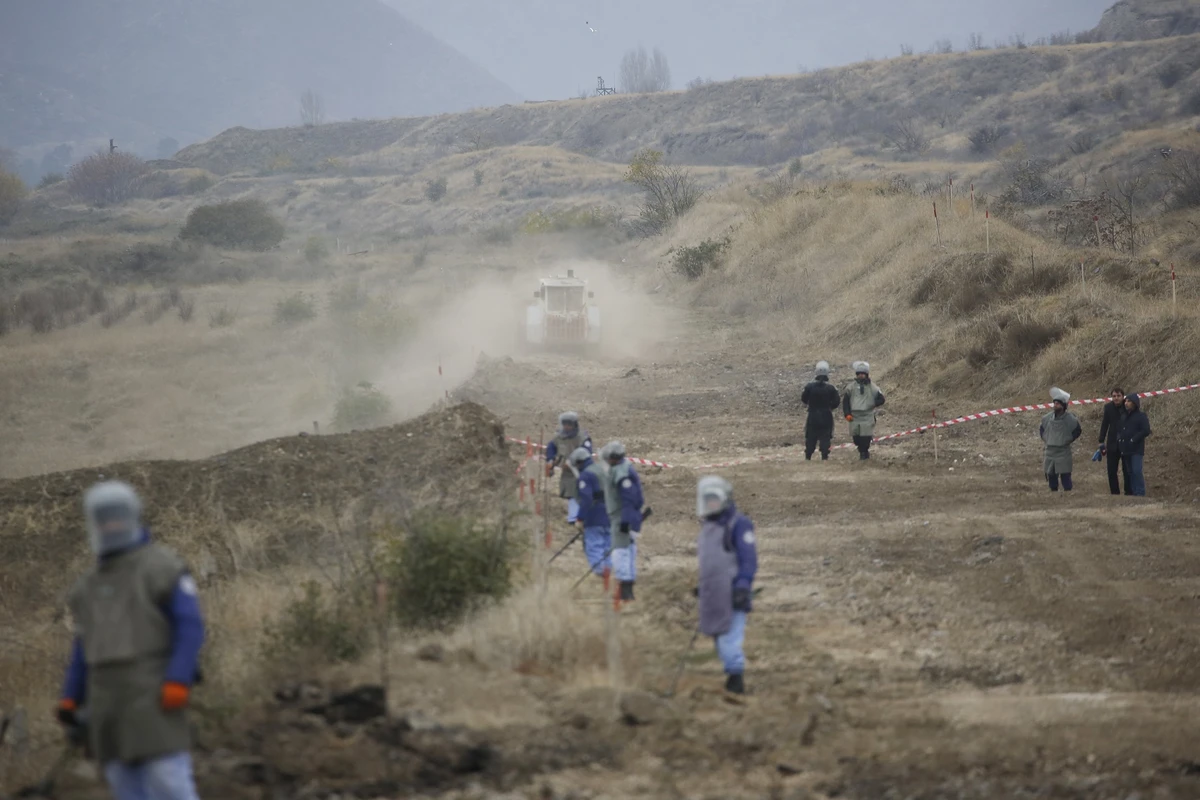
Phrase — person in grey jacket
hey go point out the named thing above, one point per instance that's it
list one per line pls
(1059, 430)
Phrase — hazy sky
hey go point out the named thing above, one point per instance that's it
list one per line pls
(543, 49)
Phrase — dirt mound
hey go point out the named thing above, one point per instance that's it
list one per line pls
(501, 382)
(454, 458)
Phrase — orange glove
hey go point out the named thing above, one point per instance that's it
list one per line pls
(174, 696)
(65, 712)
(849, 418)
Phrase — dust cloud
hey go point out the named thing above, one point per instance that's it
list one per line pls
(485, 317)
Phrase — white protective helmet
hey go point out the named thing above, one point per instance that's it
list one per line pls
(714, 494)
(578, 456)
(113, 512)
(613, 449)
(863, 367)
(822, 369)
(1059, 395)
(568, 418)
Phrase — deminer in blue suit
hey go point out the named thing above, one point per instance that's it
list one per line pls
(138, 634)
(593, 513)
(567, 439)
(728, 562)
(624, 500)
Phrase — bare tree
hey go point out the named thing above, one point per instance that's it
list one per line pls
(669, 192)
(1182, 173)
(1126, 192)
(906, 49)
(985, 138)
(906, 135)
(975, 42)
(644, 72)
(943, 47)
(312, 109)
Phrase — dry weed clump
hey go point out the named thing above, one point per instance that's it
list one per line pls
(56, 305)
(116, 313)
(12, 192)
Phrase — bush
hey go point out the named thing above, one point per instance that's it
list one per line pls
(1030, 181)
(1183, 179)
(12, 192)
(586, 218)
(364, 406)
(105, 178)
(315, 250)
(985, 138)
(50, 179)
(198, 184)
(692, 262)
(223, 317)
(236, 224)
(478, 175)
(668, 192)
(907, 136)
(295, 308)
(1083, 142)
(329, 626)
(346, 298)
(1171, 73)
(435, 189)
(441, 567)
(1190, 105)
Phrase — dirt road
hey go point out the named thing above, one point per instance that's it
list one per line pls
(946, 629)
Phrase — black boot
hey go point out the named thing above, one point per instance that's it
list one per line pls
(824, 456)
(735, 685)
(626, 590)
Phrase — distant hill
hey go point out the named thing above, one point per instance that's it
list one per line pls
(141, 70)
(1130, 20)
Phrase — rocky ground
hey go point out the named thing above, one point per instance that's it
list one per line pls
(926, 629)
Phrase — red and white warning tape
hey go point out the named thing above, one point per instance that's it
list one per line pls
(998, 412)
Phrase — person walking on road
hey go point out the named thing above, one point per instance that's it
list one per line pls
(1110, 429)
(859, 403)
(138, 635)
(821, 399)
(1132, 442)
(728, 562)
(567, 439)
(623, 500)
(1059, 430)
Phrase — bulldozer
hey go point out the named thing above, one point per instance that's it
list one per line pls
(562, 315)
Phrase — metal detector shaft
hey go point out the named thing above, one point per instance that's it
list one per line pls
(563, 549)
(683, 663)
(645, 516)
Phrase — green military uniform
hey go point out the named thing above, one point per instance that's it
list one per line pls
(863, 399)
(127, 643)
(567, 482)
(1059, 433)
(612, 503)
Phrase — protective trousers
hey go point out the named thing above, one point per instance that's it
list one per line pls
(1052, 477)
(863, 443)
(165, 778)
(572, 511)
(729, 645)
(623, 562)
(813, 439)
(596, 543)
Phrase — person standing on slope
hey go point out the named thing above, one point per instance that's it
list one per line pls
(859, 403)
(593, 512)
(1132, 441)
(138, 634)
(821, 399)
(623, 500)
(1110, 429)
(728, 562)
(566, 440)
(1059, 430)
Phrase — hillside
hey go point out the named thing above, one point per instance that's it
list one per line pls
(139, 70)
(1042, 96)
(1129, 20)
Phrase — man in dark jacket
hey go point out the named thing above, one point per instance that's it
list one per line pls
(822, 399)
(1110, 429)
(135, 657)
(1132, 442)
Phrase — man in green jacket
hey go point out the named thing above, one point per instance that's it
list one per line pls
(859, 401)
(138, 637)
(1059, 430)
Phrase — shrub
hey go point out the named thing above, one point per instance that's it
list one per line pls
(346, 298)
(588, 217)
(1075, 104)
(115, 314)
(331, 626)
(186, 308)
(105, 178)
(295, 308)
(315, 250)
(442, 567)
(198, 184)
(497, 234)
(668, 192)
(380, 326)
(12, 192)
(1083, 142)
(236, 224)
(692, 262)
(223, 317)
(1182, 172)
(1170, 74)
(50, 179)
(1030, 181)
(906, 135)
(985, 138)
(364, 406)
(478, 175)
(435, 189)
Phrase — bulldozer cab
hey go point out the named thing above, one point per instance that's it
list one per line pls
(563, 313)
